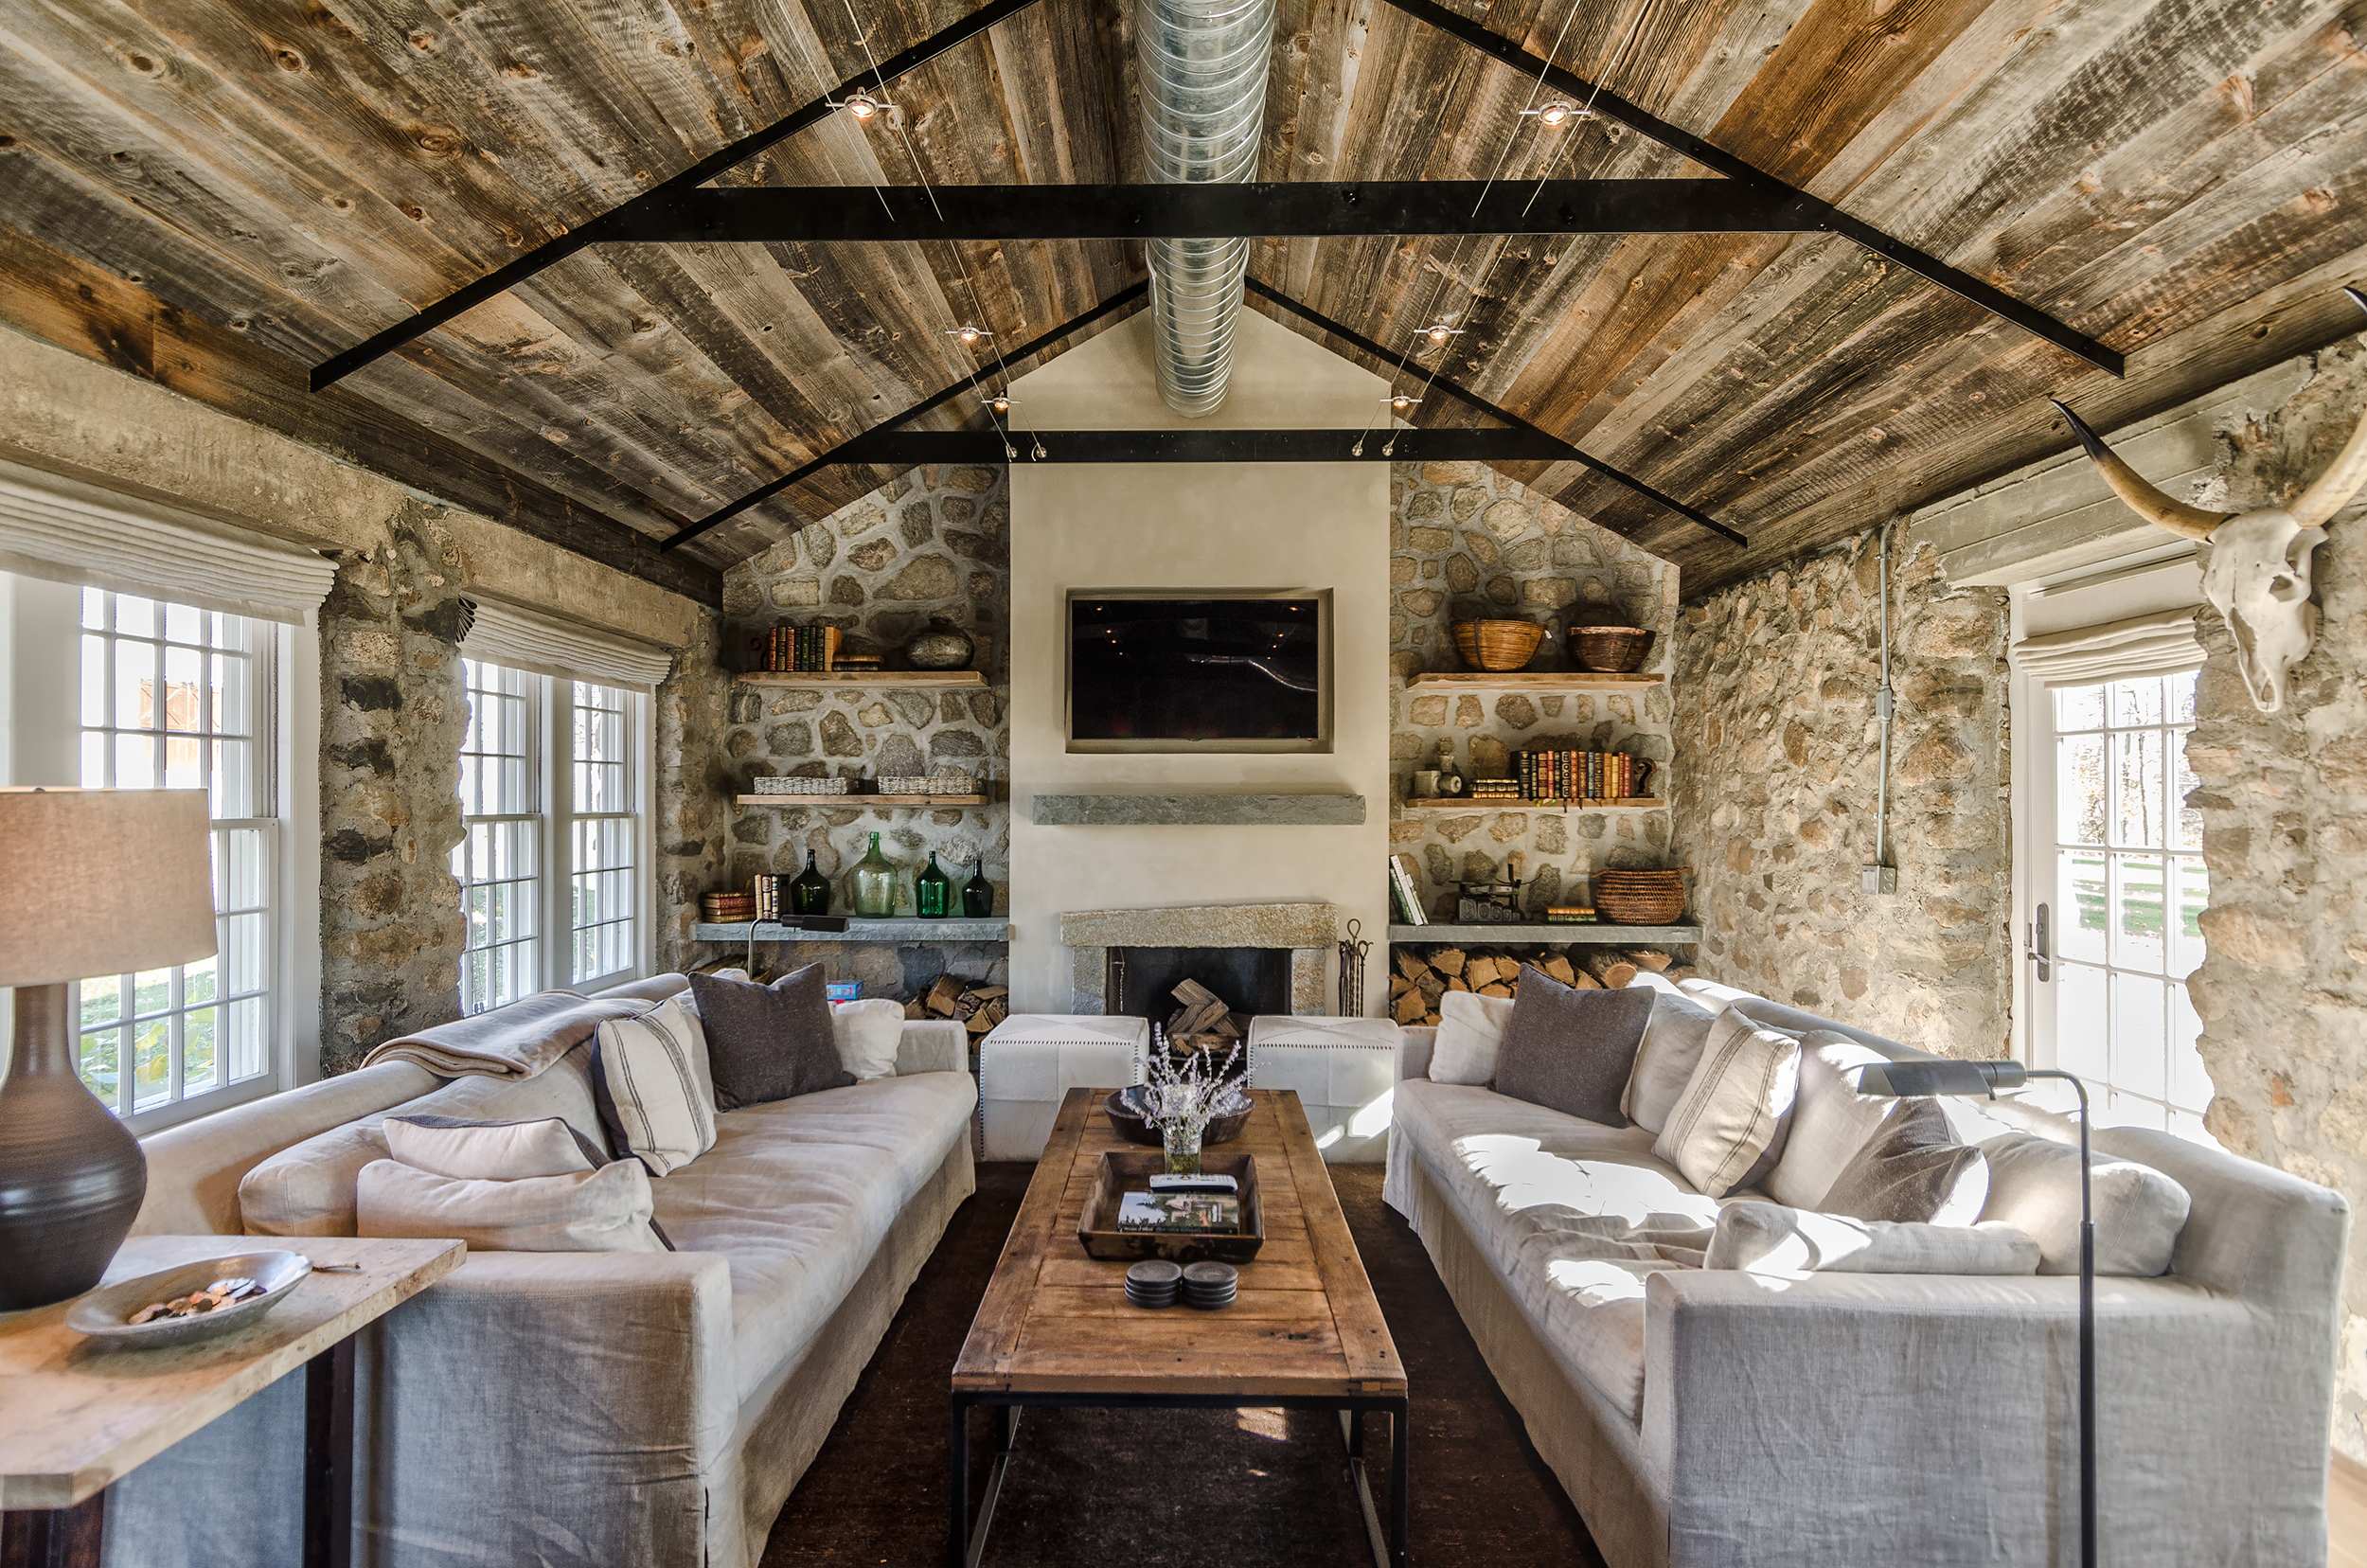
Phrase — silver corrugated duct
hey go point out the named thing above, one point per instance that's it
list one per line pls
(1204, 107)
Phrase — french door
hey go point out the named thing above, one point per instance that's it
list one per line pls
(2113, 890)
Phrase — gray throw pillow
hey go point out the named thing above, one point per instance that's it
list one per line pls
(768, 1043)
(1572, 1050)
(1913, 1170)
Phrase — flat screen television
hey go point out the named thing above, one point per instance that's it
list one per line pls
(1218, 671)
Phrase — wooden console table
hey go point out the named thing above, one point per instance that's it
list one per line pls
(83, 1415)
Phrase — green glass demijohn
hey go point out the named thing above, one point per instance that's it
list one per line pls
(933, 892)
(810, 893)
(978, 893)
(875, 883)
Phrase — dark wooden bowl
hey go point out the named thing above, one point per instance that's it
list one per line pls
(1609, 650)
(1129, 1124)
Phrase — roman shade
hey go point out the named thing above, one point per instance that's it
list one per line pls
(2153, 643)
(61, 531)
(521, 639)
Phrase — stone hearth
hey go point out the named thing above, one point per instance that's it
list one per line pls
(1308, 930)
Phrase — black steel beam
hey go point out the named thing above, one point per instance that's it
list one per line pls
(772, 487)
(757, 215)
(1447, 388)
(1611, 106)
(511, 274)
(904, 449)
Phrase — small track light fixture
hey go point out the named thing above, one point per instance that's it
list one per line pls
(1399, 402)
(969, 334)
(1558, 112)
(863, 106)
(1439, 332)
(998, 403)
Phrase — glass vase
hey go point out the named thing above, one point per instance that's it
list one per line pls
(1183, 1149)
(978, 893)
(810, 893)
(932, 893)
(875, 883)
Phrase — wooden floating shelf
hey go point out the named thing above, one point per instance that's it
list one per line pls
(1523, 935)
(827, 680)
(1528, 680)
(1465, 803)
(895, 929)
(862, 802)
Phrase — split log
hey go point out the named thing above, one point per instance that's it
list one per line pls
(1559, 967)
(1411, 1008)
(1496, 987)
(1447, 960)
(1411, 964)
(944, 998)
(1608, 967)
(1650, 959)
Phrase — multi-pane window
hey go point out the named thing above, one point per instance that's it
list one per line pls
(498, 861)
(2129, 892)
(551, 790)
(173, 697)
(604, 831)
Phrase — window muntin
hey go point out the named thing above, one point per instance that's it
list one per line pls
(499, 857)
(174, 697)
(604, 831)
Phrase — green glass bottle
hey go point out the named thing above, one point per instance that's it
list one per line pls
(978, 893)
(810, 893)
(933, 892)
(875, 883)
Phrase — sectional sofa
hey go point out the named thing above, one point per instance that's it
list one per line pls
(570, 1408)
(1703, 1416)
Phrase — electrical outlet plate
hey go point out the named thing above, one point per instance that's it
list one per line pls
(1881, 878)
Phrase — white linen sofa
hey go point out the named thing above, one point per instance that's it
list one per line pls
(1704, 1417)
(584, 1410)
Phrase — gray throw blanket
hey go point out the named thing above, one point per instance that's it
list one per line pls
(515, 1041)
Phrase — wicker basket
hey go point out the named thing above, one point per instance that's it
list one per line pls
(1498, 645)
(1609, 650)
(1649, 898)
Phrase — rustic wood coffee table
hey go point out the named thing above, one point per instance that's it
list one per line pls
(1056, 1328)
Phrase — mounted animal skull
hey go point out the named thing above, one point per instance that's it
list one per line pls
(2258, 578)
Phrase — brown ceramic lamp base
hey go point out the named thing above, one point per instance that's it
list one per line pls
(71, 1175)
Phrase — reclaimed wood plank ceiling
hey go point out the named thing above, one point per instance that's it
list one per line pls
(217, 195)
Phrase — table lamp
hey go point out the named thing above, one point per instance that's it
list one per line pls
(100, 883)
(1944, 1076)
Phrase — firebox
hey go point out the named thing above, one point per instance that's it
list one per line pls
(1141, 981)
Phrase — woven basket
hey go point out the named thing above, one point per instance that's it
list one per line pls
(1498, 645)
(1610, 650)
(1646, 898)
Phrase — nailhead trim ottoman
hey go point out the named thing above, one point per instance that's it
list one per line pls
(1343, 1070)
(1030, 1060)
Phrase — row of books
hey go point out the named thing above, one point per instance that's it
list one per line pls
(801, 649)
(1405, 891)
(1580, 774)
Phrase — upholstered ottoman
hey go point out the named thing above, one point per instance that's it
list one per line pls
(1343, 1069)
(1029, 1060)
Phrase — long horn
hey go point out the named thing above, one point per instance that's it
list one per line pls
(2333, 490)
(2132, 488)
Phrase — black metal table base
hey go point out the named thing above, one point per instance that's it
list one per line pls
(72, 1538)
(966, 1540)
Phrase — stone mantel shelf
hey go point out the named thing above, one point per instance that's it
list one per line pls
(908, 680)
(1550, 935)
(1528, 680)
(857, 930)
(1205, 808)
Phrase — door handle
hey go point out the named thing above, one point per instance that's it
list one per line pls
(2039, 950)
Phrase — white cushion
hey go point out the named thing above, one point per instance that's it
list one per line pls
(489, 1150)
(649, 1076)
(1830, 1121)
(1673, 1038)
(2033, 1186)
(1734, 1106)
(1471, 1032)
(603, 1210)
(1774, 1238)
(868, 1033)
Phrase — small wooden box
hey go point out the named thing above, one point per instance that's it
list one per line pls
(1097, 1226)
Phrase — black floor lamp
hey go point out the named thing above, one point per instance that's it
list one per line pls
(1940, 1076)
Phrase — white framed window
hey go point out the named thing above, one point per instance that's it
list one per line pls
(554, 790)
(2114, 888)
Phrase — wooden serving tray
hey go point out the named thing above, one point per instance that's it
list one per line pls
(1098, 1225)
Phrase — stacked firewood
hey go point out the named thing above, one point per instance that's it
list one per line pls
(979, 1008)
(1202, 1021)
(1424, 975)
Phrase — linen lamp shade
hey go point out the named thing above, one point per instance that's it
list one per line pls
(103, 881)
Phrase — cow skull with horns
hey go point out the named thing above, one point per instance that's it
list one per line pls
(2258, 578)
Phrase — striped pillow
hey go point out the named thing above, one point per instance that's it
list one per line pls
(1734, 1106)
(649, 1080)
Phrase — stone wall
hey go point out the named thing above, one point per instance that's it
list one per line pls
(692, 792)
(1467, 543)
(2282, 991)
(928, 545)
(1776, 794)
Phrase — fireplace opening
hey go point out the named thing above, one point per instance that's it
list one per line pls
(1141, 981)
